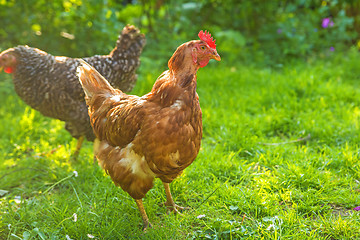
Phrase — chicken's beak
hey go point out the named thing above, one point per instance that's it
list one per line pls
(216, 56)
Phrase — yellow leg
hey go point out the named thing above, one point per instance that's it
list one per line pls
(78, 146)
(144, 217)
(96, 149)
(170, 204)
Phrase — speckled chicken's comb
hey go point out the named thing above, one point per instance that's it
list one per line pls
(206, 37)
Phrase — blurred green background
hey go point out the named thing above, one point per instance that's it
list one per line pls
(260, 31)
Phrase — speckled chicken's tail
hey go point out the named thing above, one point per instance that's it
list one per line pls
(92, 82)
(130, 42)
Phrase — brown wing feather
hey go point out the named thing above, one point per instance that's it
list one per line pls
(123, 121)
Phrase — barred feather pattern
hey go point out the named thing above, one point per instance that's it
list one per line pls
(49, 84)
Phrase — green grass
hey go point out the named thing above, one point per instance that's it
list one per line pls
(251, 179)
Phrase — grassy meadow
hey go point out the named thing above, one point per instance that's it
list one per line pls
(279, 160)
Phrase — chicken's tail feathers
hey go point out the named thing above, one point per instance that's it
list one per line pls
(130, 42)
(92, 81)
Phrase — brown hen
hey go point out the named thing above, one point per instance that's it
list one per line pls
(154, 136)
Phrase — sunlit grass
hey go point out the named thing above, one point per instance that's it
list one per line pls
(279, 160)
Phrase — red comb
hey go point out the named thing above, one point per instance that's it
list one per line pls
(206, 37)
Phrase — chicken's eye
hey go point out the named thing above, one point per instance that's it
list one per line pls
(202, 47)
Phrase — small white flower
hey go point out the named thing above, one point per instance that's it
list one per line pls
(75, 173)
(9, 226)
(75, 217)
(17, 199)
(67, 237)
(90, 236)
(201, 216)
(270, 227)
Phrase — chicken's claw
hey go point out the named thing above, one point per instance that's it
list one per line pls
(146, 226)
(170, 204)
(175, 208)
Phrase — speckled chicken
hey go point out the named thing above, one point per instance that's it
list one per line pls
(49, 83)
(154, 136)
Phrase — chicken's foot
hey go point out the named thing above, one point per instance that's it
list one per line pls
(170, 204)
(78, 147)
(146, 223)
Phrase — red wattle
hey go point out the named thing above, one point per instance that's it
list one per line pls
(8, 69)
(204, 62)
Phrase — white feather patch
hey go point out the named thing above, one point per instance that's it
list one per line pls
(174, 156)
(135, 162)
(115, 98)
(177, 104)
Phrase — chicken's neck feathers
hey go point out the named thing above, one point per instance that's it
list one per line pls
(31, 61)
(177, 83)
(169, 88)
